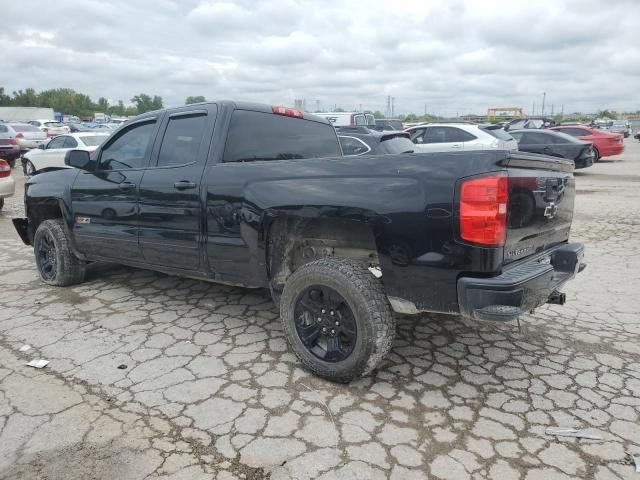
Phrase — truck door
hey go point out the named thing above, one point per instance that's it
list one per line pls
(170, 204)
(105, 201)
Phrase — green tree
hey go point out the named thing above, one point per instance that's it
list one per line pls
(412, 117)
(131, 111)
(144, 103)
(117, 110)
(196, 99)
(378, 114)
(28, 98)
(157, 102)
(103, 105)
(5, 100)
(612, 114)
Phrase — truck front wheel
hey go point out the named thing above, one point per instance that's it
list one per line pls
(56, 263)
(337, 318)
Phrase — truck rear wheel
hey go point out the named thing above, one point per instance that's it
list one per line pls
(56, 263)
(337, 318)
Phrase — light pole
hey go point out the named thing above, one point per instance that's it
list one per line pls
(544, 97)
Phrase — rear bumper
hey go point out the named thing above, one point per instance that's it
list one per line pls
(611, 150)
(522, 287)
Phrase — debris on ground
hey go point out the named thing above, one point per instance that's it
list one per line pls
(40, 363)
(24, 348)
(572, 432)
(122, 366)
(636, 460)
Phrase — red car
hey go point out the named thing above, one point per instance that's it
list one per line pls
(605, 144)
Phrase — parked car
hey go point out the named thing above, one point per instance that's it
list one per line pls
(364, 141)
(50, 127)
(388, 124)
(105, 127)
(604, 144)
(7, 182)
(349, 119)
(77, 127)
(529, 122)
(26, 135)
(456, 137)
(620, 126)
(279, 207)
(52, 155)
(9, 150)
(555, 144)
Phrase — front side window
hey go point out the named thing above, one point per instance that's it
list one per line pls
(25, 128)
(417, 136)
(257, 136)
(182, 140)
(353, 146)
(129, 149)
(57, 142)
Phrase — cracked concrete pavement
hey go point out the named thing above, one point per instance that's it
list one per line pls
(211, 391)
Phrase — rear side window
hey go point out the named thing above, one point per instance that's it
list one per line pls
(575, 132)
(398, 144)
(499, 133)
(360, 120)
(447, 135)
(182, 140)
(531, 139)
(265, 136)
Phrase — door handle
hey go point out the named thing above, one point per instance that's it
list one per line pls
(184, 185)
(456, 146)
(126, 186)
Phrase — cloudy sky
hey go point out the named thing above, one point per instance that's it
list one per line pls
(455, 56)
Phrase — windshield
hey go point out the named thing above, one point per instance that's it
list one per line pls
(24, 128)
(94, 141)
(399, 144)
(53, 124)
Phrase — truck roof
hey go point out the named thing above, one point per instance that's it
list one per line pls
(241, 105)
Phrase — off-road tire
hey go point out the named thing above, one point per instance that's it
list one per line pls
(365, 296)
(69, 269)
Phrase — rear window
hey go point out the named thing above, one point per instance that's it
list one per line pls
(25, 128)
(53, 124)
(398, 144)
(499, 133)
(94, 141)
(266, 136)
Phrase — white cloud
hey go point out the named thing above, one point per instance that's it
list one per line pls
(456, 56)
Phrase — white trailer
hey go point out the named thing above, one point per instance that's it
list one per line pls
(25, 114)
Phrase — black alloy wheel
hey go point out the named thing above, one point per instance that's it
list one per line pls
(325, 324)
(46, 257)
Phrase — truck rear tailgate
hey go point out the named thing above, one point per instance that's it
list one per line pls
(540, 206)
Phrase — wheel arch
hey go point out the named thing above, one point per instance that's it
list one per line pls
(292, 241)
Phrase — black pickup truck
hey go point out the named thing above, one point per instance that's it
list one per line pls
(260, 196)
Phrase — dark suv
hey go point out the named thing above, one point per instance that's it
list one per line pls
(362, 141)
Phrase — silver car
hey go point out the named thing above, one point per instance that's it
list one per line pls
(26, 135)
(620, 126)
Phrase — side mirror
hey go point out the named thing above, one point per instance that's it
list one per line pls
(78, 158)
(42, 146)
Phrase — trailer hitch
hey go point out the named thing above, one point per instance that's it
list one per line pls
(557, 298)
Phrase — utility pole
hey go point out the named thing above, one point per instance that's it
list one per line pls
(317, 105)
(562, 112)
(552, 109)
(425, 109)
(533, 109)
(360, 108)
(393, 101)
(544, 97)
(388, 112)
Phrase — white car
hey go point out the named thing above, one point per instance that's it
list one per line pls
(50, 127)
(52, 155)
(349, 119)
(7, 183)
(457, 137)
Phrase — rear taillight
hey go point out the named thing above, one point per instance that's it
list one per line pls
(5, 169)
(289, 112)
(483, 210)
(19, 135)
